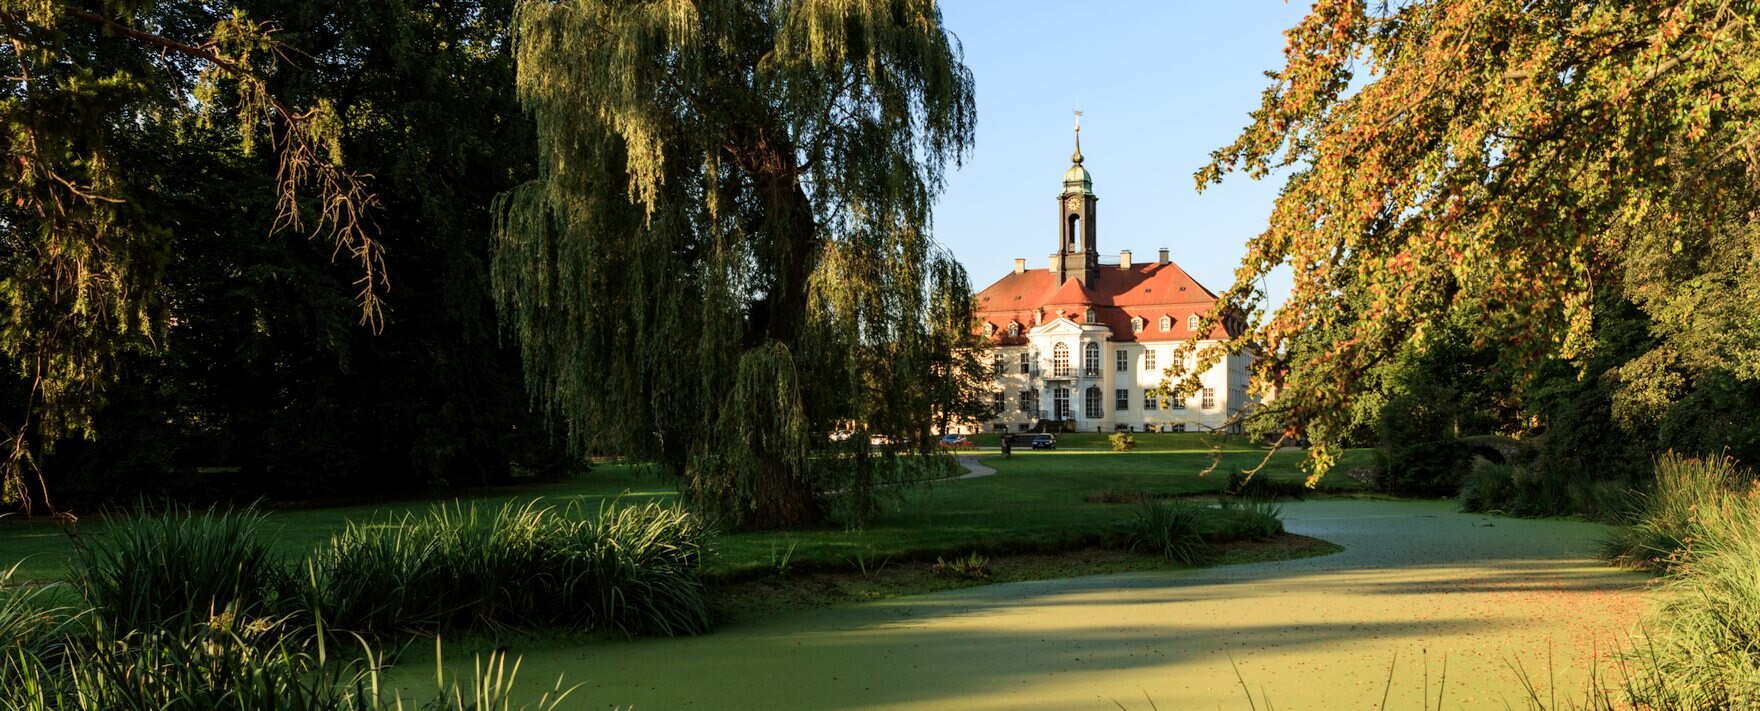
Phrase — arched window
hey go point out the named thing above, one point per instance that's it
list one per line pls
(1091, 358)
(989, 329)
(1166, 323)
(1091, 405)
(1060, 360)
(1075, 230)
(1193, 322)
(1137, 324)
(1014, 329)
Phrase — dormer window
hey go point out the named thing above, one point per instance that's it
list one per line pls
(1088, 316)
(1137, 325)
(1193, 322)
(1014, 329)
(1166, 323)
(989, 329)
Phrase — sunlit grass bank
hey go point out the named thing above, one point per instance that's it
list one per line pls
(1036, 503)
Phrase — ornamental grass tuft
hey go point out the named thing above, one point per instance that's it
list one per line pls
(635, 570)
(1173, 530)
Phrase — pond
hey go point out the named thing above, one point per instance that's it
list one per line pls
(1417, 587)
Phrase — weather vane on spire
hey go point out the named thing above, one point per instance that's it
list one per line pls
(1078, 120)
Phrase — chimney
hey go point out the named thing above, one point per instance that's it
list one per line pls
(1163, 259)
(1020, 265)
(1124, 259)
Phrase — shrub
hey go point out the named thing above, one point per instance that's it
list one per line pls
(635, 570)
(1263, 487)
(1426, 469)
(1172, 530)
(1489, 488)
(160, 570)
(1122, 442)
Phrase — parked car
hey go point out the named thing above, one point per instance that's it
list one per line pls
(882, 440)
(955, 441)
(841, 435)
(1045, 441)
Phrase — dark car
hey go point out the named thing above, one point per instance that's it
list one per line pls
(1044, 441)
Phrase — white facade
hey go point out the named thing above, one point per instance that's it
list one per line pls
(1028, 383)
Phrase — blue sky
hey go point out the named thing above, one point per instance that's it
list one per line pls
(1161, 84)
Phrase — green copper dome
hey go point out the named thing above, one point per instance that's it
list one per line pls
(1076, 180)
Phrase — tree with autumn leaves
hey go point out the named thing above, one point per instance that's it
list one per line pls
(1505, 166)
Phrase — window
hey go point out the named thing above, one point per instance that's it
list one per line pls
(1209, 399)
(1060, 360)
(1014, 329)
(1060, 403)
(1091, 405)
(1151, 400)
(998, 401)
(1149, 359)
(1088, 316)
(1121, 400)
(1177, 403)
(1166, 323)
(989, 329)
(1124, 361)
(1030, 401)
(1193, 322)
(1026, 363)
(1137, 324)
(1091, 358)
(996, 364)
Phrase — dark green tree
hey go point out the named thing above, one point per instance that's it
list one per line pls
(726, 250)
(248, 356)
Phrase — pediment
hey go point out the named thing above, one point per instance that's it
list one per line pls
(1058, 326)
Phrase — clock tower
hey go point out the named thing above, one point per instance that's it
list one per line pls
(1076, 257)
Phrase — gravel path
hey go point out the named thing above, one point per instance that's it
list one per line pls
(1417, 584)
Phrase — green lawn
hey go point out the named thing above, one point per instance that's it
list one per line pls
(1036, 502)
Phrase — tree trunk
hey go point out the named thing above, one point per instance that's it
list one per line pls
(782, 500)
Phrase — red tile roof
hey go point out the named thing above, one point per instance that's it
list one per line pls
(1118, 294)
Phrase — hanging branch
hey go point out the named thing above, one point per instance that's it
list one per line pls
(303, 139)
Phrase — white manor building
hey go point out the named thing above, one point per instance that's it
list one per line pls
(1086, 343)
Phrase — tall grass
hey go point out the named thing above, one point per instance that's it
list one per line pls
(1253, 518)
(633, 569)
(191, 611)
(1691, 501)
(1173, 530)
(1701, 527)
(159, 569)
(228, 664)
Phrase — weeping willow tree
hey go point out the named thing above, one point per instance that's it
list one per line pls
(726, 253)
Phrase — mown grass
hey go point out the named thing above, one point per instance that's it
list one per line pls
(1036, 503)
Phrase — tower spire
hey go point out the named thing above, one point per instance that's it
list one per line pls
(1076, 157)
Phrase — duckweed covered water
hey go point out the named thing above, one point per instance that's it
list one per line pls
(1417, 583)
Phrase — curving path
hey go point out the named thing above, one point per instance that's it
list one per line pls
(1416, 580)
